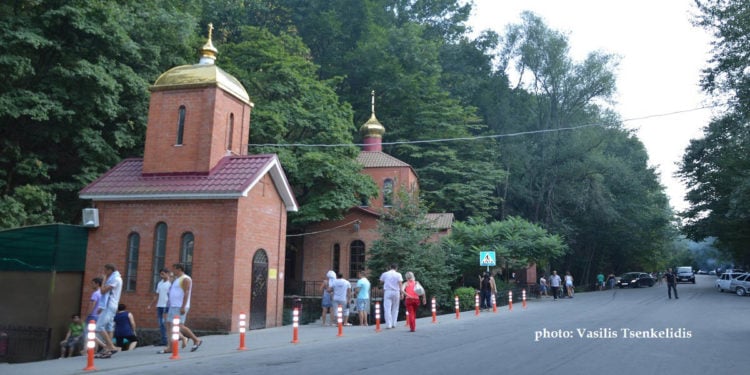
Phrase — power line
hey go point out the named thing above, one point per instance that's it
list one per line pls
(479, 137)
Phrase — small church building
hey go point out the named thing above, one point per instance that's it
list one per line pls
(196, 197)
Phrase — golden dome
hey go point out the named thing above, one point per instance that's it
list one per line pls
(373, 127)
(200, 75)
(203, 74)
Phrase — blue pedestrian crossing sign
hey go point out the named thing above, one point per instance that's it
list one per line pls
(487, 258)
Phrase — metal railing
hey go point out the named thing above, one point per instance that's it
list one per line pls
(24, 344)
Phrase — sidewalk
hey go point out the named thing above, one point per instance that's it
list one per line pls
(216, 345)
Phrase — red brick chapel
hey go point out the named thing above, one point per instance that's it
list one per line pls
(198, 198)
(342, 245)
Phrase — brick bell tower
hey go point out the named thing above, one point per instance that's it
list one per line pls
(197, 115)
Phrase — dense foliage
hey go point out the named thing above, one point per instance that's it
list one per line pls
(74, 101)
(716, 168)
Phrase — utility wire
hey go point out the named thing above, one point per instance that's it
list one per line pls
(324, 230)
(478, 137)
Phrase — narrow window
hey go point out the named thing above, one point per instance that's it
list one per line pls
(356, 258)
(336, 257)
(131, 273)
(160, 249)
(230, 131)
(181, 124)
(186, 252)
(388, 192)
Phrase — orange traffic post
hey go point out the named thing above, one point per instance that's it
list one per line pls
(243, 327)
(90, 345)
(175, 337)
(476, 304)
(523, 299)
(295, 325)
(434, 310)
(377, 316)
(494, 303)
(510, 300)
(458, 311)
(340, 318)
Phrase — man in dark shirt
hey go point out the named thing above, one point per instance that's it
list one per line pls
(671, 283)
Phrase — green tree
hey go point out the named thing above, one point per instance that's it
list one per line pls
(73, 99)
(716, 168)
(293, 106)
(405, 237)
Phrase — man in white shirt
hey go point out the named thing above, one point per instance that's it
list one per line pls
(105, 324)
(341, 289)
(391, 281)
(161, 297)
(554, 282)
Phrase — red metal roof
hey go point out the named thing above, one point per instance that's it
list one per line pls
(232, 177)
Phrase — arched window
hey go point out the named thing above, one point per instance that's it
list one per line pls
(180, 124)
(388, 192)
(160, 250)
(336, 257)
(131, 270)
(186, 252)
(356, 258)
(230, 131)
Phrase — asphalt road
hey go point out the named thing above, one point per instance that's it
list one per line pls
(628, 331)
(625, 331)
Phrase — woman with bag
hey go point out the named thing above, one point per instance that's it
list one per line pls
(411, 292)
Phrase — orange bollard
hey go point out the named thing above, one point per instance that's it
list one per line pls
(243, 317)
(510, 300)
(434, 310)
(523, 299)
(458, 311)
(295, 325)
(90, 345)
(494, 303)
(175, 337)
(476, 304)
(340, 318)
(377, 316)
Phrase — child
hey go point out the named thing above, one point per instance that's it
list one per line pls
(73, 338)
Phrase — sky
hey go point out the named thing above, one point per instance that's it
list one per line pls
(661, 56)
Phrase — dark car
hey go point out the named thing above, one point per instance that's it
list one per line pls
(635, 280)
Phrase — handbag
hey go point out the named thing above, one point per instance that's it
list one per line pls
(419, 289)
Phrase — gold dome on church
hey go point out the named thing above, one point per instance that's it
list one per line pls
(372, 128)
(203, 74)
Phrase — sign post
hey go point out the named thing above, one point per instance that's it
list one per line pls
(487, 259)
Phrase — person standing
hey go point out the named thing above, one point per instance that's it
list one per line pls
(179, 303)
(325, 301)
(554, 282)
(161, 297)
(600, 281)
(542, 286)
(342, 293)
(671, 283)
(92, 312)
(391, 281)
(105, 324)
(363, 298)
(411, 293)
(487, 288)
(125, 337)
(611, 280)
(569, 284)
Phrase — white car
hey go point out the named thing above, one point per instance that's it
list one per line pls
(723, 281)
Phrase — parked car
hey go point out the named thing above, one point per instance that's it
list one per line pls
(740, 284)
(723, 281)
(635, 280)
(685, 274)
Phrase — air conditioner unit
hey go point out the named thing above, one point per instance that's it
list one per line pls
(91, 217)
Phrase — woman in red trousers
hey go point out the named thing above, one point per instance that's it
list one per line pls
(411, 292)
